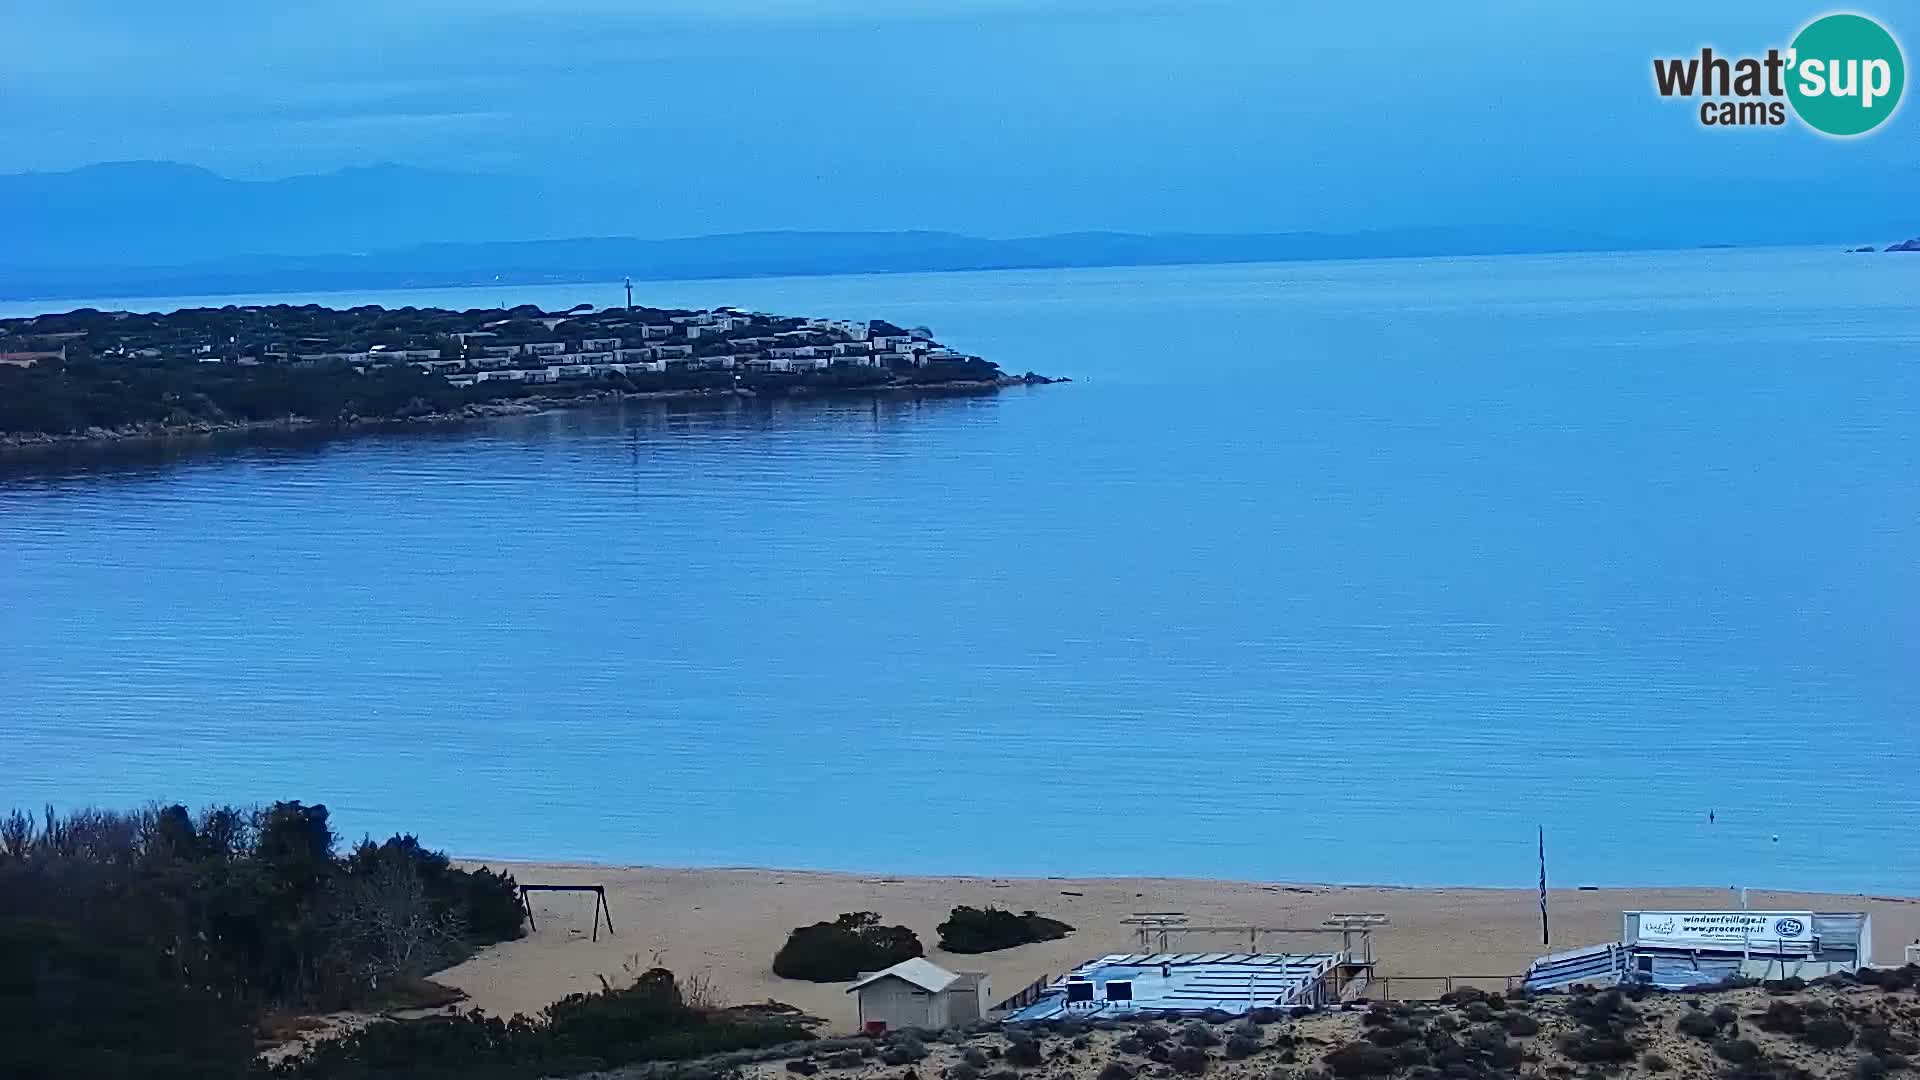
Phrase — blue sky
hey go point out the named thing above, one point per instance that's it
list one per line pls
(997, 117)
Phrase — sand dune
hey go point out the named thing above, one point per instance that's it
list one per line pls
(727, 924)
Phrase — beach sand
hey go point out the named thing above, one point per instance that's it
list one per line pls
(725, 925)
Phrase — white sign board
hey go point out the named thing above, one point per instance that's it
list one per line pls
(1720, 929)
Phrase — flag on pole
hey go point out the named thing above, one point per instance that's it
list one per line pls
(1545, 938)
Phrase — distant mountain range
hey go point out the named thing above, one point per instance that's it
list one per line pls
(738, 255)
(160, 228)
(157, 213)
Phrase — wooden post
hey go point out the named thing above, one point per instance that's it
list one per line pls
(608, 907)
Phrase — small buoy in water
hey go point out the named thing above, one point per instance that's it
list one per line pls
(1776, 838)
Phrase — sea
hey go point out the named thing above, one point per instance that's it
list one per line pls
(1348, 571)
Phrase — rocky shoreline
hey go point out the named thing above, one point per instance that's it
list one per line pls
(489, 410)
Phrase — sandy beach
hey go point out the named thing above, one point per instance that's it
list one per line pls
(727, 924)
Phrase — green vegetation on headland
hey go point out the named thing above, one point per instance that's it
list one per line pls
(161, 943)
(94, 374)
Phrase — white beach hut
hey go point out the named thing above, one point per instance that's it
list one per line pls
(918, 993)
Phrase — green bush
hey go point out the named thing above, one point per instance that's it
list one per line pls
(1603, 1013)
(197, 925)
(989, 929)
(1596, 1048)
(1393, 1034)
(1782, 1017)
(840, 950)
(1697, 1024)
(1520, 1025)
(1827, 1033)
(1361, 1059)
(1190, 1060)
(1890, 979)
(79, 1004)
(584, 1032)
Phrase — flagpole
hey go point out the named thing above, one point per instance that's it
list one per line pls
(1546, 938)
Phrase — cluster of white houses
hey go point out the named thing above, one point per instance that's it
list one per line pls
(702, 341)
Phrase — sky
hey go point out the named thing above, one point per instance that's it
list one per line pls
(994, 117)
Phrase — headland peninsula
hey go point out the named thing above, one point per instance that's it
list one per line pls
(91, 375)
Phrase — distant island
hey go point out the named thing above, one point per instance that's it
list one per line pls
(90, 375)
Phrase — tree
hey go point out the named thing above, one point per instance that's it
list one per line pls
(384, 926)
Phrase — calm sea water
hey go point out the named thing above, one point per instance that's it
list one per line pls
(1329, 571)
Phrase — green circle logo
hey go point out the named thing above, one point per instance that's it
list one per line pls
(1847, 74)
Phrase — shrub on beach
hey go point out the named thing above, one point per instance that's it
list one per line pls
(1361, 1059)
(988, 929)
(840, 950)
(1199, 1034)
(1024, 1053)
(1520, 1025)
(1392, 1034)
(1595, 1048)
(648, 1021)
(1783, 1018)
(1190, 1060)
(1827, 1033)
(1890, 979)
